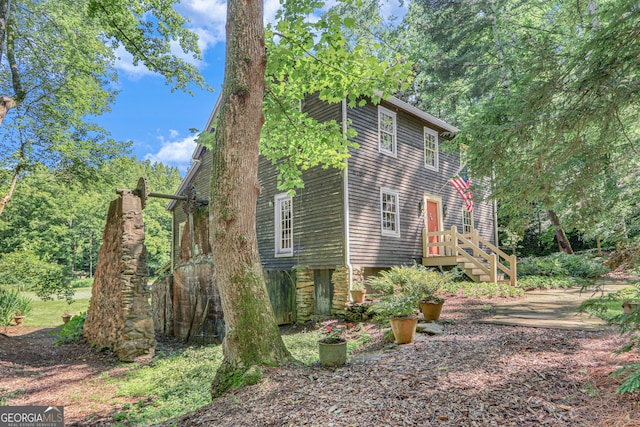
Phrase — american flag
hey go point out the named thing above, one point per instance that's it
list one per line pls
(463, 186)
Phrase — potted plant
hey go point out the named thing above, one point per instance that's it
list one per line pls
(66, 316)
(401, 310)
(332, 345)
(358, 293)
(18, 317)
(427, 287)
(628, 307)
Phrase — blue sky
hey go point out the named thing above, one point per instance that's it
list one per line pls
(157, 120)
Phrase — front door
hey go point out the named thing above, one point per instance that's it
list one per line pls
(433, 224)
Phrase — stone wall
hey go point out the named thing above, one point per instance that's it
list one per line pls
(119, 315)
(162, 304)
(340, 280)
(304, 294)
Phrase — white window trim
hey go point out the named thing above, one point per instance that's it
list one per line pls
(465, 212)
(278, 200)
(437, 149)
(394, 145)
(397, 213)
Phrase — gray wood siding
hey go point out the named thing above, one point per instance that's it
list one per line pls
(370, 170)
(318, 226)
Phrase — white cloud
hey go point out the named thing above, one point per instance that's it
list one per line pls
(174, 152)
(124, 62)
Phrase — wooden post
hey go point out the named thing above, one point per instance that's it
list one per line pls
(454, 237)
(513, 262)
(493, 268)
(425, 246)
(474, 239)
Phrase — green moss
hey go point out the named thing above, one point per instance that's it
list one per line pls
(229, 377)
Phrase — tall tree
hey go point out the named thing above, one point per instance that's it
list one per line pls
(57, 69)
(310, 56)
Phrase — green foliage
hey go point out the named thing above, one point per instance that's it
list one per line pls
(63, 221)
(403, 287)
(71, 331)
(12, 304)
(562, 264)
(82, 283)
(48, 314)
(174, 384)
(609, 308)
(314, 57)
(479, 289)
(529, 283)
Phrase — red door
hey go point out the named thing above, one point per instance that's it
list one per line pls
(433, 224)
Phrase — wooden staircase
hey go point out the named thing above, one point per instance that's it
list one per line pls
(478, 258)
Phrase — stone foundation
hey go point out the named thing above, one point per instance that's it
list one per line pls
(304, 294)
(340, 280)
(119, 315)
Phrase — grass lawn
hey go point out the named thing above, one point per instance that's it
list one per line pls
(49, 313)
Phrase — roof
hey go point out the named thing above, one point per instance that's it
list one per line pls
(197, 153)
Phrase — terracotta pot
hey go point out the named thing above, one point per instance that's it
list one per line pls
(334, 354)
(358, 295)
(431, 310)
(18, 320)
(404, 328)
(629, 306)
(66, 318)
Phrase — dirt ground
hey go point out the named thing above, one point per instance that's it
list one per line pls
(473, 375)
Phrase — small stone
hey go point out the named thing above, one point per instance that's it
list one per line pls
(430, 328)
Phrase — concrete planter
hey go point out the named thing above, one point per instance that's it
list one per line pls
(334, 354)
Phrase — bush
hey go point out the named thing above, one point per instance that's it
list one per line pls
(12, 303)
(562, 264)
(24, 269)
(530, 283)
(82, 283)
(71, 331)
(477, 289)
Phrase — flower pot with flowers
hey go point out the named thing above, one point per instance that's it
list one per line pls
(66, 316)
(332, 345)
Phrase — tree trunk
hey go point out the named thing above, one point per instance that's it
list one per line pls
(252, 337)
(14, 180)
(563, 242)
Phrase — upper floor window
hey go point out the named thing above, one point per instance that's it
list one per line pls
(467, 221)
(430, 149)
(284, 224)
(390, 213)
(386, 131)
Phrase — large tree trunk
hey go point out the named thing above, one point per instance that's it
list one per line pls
(562, 238)
(252, 337)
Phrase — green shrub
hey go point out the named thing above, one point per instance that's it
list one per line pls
(70, 331)
(530, 283)
(24, 269)
(11, 304)
(478, 289)
(606, 307)
(562, 264)
(82, 283)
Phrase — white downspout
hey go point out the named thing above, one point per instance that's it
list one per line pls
(345, 181)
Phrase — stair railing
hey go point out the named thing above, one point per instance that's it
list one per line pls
(452, 243)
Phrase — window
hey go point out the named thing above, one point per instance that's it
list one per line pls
(467, 221)
(390, 214)
(386, 131)
(284, 224)
(430, 149)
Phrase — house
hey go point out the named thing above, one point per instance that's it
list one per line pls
(392, 204)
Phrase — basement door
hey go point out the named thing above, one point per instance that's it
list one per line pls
(322, 292)
(433, 224)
